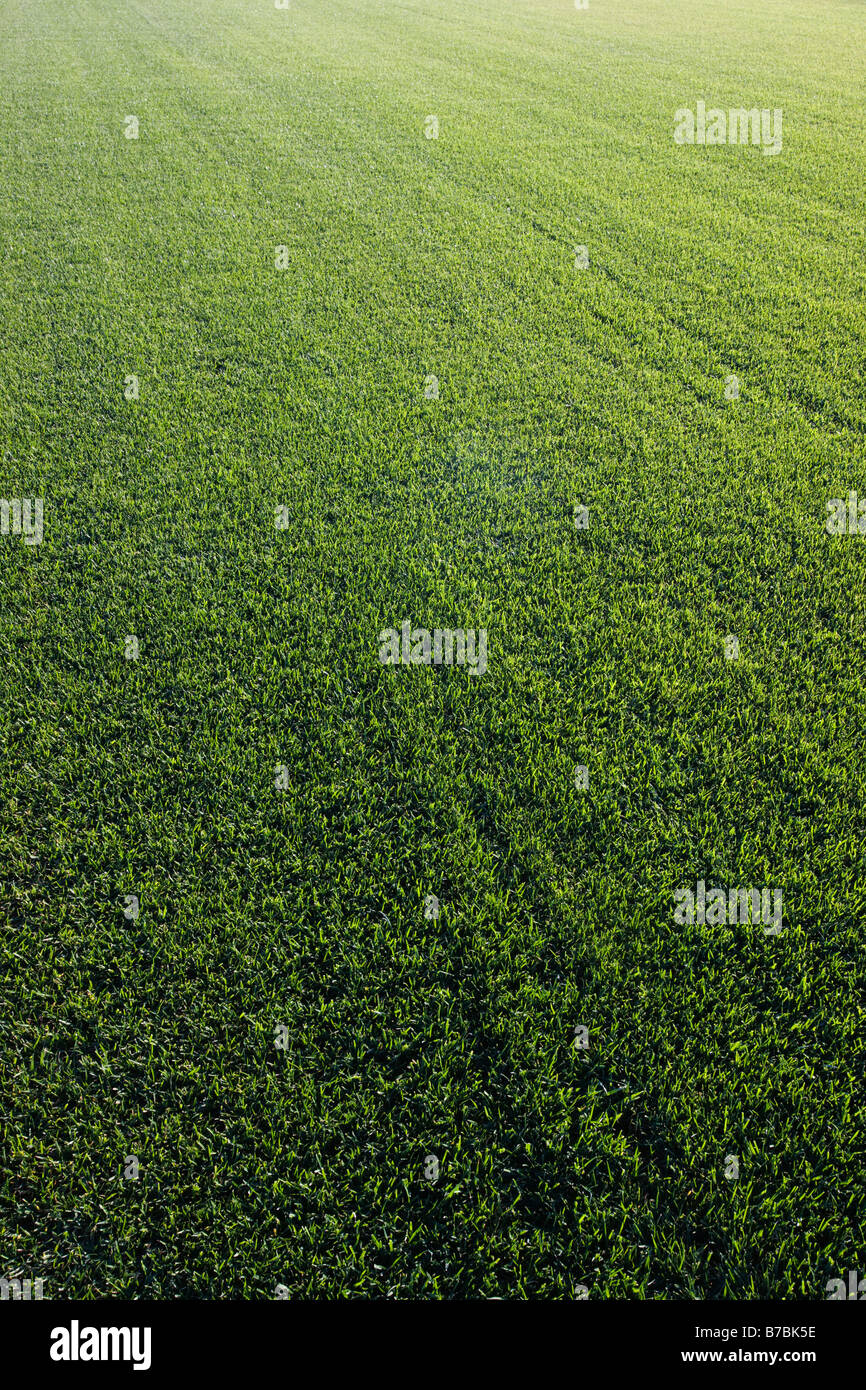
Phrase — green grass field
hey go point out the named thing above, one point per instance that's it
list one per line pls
(305, 906)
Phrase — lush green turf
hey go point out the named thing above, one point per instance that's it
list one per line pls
(408, 1035)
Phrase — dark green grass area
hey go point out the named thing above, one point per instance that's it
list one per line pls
(411, 1035)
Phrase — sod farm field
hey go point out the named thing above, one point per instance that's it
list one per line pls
(432, 636)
